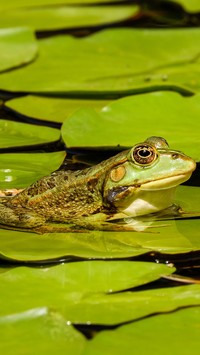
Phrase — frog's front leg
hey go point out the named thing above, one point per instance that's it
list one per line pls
(20, 217)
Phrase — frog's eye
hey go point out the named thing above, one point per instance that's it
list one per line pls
(144, 154)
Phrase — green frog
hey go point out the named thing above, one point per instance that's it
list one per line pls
(135, 182)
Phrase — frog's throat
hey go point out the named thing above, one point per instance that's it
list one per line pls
(166, 183)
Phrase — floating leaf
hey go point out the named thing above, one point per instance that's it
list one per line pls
(19, 170)
(180, 236)
(60, 286)
(14, 4)
(128, 306)
(18, 47)
(51, 108)
(79, 296)
(39, 331)
(24, 246)
(187, 76)
(188, 198)
(132, 119)
(58, 17)
(135, 52)
(168, 237)
(15, 134)
(166, 333)
(189, 5)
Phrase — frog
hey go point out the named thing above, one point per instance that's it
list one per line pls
(135, 182)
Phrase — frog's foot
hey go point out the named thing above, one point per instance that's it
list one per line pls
(111, 227)
(132, 225)
(183, 214)
(58, 228)
(129, 226)
(19, 217)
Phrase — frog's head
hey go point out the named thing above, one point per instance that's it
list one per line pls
(144, 181)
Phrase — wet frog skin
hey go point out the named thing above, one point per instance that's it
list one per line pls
(133, 183)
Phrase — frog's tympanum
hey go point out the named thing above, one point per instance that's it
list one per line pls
(133, 183)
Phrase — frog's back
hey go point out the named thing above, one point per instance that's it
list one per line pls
(67, 194)
(63, 194)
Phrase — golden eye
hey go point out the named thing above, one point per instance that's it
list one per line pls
(144, 154)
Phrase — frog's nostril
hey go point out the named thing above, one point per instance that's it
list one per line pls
(175, 156)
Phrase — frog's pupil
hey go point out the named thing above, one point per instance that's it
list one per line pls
(144, 153)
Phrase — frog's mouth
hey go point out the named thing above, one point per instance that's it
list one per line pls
(165, 183)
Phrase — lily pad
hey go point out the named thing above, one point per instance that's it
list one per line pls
(188, 198)
(19, 170)
(187, 76)
(135, 52)
(15, 134)
(128, 306)
(39, 331)
(61, 286)
(14, 4)
(172, 237)
(51, 108)
(59, 17)
(167, 333)
(132, 119)
(166, 237)
(189, 5)
(30, 247)
(78, 292)
(18, 47)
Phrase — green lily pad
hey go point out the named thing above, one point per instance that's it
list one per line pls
(128, 306)
(15, 134)
(188, 198)
(39, 331)
(51, 108)
(172, 237)
(132, 119)
(19, 170)
(135, 52)
(77, 291)
(14, 4)
(24, 246)
(187, 76)
(61, 286)
(189, 5)
(166, 333)
(18, 47)
(59, 17)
